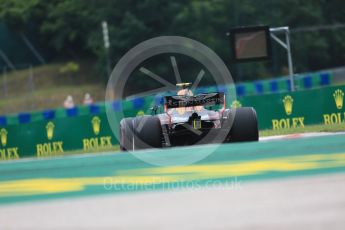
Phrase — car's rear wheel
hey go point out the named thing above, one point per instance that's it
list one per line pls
(148, 132)
(140, 133)
(245, 125)
(126, 134)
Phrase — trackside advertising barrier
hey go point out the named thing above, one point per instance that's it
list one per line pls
(86, 128)
(290, 110)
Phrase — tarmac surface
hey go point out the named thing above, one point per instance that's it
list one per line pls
(289, 183)
(301, 203)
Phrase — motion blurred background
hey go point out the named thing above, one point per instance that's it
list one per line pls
(54, 50)
(51, 49)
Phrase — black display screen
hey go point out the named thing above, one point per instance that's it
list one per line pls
(250, 43)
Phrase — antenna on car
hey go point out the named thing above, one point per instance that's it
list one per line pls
(184, 85)
(184, 89)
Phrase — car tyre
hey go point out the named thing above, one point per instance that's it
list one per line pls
(140, 133)
(148, 132)
(126, 134)
(245, 125)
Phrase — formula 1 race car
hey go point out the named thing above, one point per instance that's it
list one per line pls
(187, 121)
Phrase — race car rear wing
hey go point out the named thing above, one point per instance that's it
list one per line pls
(208, 99)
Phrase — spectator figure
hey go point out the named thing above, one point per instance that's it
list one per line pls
(87, 99)
(69, 103)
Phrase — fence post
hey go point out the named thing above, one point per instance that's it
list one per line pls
(31, 85)
(4, 81)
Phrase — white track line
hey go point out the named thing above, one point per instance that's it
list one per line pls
(299, 135)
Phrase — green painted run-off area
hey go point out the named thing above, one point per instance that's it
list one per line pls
(74, 176)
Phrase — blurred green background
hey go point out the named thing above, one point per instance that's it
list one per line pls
(56, 46)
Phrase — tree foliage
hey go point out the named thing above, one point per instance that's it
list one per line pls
(73, 27)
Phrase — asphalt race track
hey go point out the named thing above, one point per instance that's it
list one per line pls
(282, 184)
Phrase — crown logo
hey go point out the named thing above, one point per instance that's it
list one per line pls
(288, 104)
(50, 130)
(339, 98)
(3, 137)
(236, 104)
(140, 113)
(96, 125)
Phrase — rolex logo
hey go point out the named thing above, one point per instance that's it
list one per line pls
(3, 135)
(339, 98)
(288, 104)
(96, 125)
(236, 104)
(50, 130)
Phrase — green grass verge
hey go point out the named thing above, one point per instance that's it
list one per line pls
(115, 148)
(48, 88)
(262, 133)
(306, 129)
